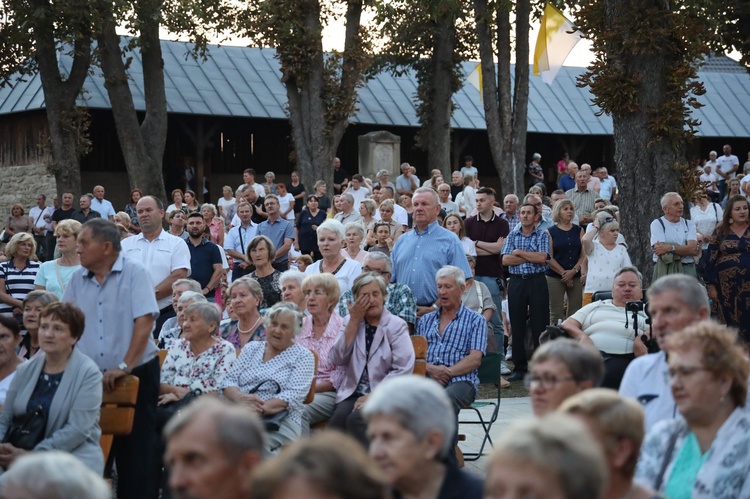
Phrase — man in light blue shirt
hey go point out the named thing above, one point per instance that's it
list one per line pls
(116, 295)
(104, 207)
(279, 231)
(420, 253)
(608, 189)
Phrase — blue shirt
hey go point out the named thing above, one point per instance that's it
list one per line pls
(239, 237)
(277, 231)
(536, 242)
(417, 256)
(111, 308)
(566, 182)
(466, 332)
(202, 260)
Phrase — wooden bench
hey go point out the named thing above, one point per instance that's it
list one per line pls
(420, 354)
(118, 411)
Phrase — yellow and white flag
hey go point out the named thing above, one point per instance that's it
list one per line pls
(557, 37)
(475, 78)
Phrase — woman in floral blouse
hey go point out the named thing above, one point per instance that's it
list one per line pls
(198, 360)
(319, 331)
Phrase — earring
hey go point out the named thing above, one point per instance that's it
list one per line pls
(731, 221)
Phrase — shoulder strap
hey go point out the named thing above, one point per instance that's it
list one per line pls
(479, 295)
(666, 459)
(662, 224)
(716, 212)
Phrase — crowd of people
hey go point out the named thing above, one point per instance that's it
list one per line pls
(283, 315)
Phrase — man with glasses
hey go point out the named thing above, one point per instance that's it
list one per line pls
(400, 300)
(444, 191)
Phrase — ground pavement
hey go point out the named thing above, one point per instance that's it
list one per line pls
(511, 409)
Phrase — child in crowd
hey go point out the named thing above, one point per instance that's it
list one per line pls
(384, 242)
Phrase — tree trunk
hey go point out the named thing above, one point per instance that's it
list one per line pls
(437, 125)
(142, 144)
(520, 94)
(506, 122)
(318, 121)
(640, 155)
(60, 99)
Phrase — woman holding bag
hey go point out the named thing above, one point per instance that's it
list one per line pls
(66, 384)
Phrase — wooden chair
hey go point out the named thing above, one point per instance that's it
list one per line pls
(118, 412)
(162, 356)
(420, 355)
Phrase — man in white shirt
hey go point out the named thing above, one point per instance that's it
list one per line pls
(672, 234)
(727, 166)
(238, 238)
(41, 217)
(675, 302)
(711, 181)
(444, 192)
(357, 190)
(249, 179)
(104, 207)
(166, 257)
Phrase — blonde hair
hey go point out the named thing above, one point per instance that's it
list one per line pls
(68, 227)
(326, 281)
(22, 237)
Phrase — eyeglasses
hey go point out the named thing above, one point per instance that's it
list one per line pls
(684, 371)
(316, 292)
(379, 272)
(547, 382)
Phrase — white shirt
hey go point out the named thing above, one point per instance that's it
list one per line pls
(726, 163)
(450, 207)
(286, 202)
(39, 221)
(104, 207)
(161, 257)
(646, 380)
(679, 232)
(359, 195)
(345, 276)
(603, 264)
(604, 323)
(710, 177)
(706, 221)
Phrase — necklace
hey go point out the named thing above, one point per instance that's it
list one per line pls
(251, 327)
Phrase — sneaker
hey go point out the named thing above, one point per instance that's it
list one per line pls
(509, 353)
(504, 369)
(517, 376)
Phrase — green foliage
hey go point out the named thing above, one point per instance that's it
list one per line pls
(412, 32)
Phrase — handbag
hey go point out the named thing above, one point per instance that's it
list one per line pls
(4, 237)
(273, 421)
(27, 430)
(167, 411)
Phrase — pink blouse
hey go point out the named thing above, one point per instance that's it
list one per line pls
(327, 370)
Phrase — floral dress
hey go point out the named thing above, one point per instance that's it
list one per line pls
(205, 371)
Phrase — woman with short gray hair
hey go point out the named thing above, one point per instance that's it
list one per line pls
(331, 236)
(291, 288)
(355, 236)
(245, 296)
(411, 426)
(168, 336)
(273, 377)
(373, 345)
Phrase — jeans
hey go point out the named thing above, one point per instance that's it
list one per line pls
(722, 185)
(494, 284)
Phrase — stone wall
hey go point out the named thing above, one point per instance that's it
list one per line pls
(21, 184)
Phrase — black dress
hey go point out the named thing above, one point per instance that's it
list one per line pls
(296, 191)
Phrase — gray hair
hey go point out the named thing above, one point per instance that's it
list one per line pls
(370, 205)
(210, 207)
(354, 225)
(55, 475)
(688, 288)
(419, 404)
(291, 275)
(237, 430)
(209, 312)
(366, 278)
(347, 197)
(250, 284)
(104, 231)
(451, 271)
(192, 284)
(511, 196)
(630, 268)
(556, 443)
(428, 190)
(270, 174)
(665, 198)
(191, 297)
(334, 226)
(584, 364)
(284, 308)
(382, 172)
(377, 256)
(40, 296)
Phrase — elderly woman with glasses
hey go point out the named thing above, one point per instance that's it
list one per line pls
(605, 255)
(17, 274)
(411, 425)
(704, 454)
(561, 368)
(373, 345)
(274, 376)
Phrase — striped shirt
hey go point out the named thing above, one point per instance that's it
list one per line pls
(536, 242)
(18, 283)
(466, 332)
(417, 256)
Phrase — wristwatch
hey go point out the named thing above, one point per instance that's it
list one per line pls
(124, 367)
(673, 248)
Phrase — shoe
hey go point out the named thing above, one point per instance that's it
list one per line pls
(517, 376)
(509, 353)
(504, 369)
(504, 383)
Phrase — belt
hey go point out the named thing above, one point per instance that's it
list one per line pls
(528, 276)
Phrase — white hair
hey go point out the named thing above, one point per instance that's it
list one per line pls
(55, 475)
(334, 226)
(665, 198)
(454, 272)
(420, 405)
(377, 256)
(291, 275)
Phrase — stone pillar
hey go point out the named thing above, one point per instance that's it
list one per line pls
(379, 150)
